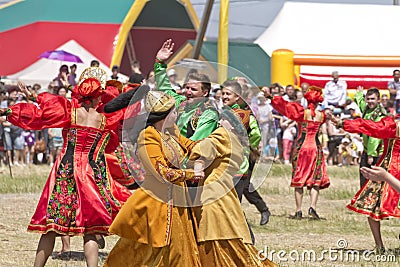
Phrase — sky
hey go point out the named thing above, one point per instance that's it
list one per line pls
(248, 19)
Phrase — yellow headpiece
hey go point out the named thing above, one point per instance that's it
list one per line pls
(157, 101)
(94, 72)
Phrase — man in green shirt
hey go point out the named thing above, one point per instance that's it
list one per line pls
(231, 91)
(371, 110)
(197, 115)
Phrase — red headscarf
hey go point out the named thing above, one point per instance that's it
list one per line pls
(313, 97)
(89, 89)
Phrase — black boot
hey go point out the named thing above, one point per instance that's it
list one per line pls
(101, 242)
(313, 213)
(298, 215)
(265, 217)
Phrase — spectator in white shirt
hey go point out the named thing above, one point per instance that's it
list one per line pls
(394, 89)
(335, 91)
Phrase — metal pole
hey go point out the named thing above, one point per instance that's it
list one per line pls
(396, 2)
(202, 31)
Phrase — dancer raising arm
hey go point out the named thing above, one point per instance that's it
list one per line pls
(76, 199)
(377, 200)
(309, 168)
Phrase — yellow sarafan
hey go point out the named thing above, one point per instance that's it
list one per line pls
(153, 230)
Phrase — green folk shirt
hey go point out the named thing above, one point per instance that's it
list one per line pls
(254, 135)
(201, 117)
(372, 146)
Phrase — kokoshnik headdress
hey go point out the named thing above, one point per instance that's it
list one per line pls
(91, 84)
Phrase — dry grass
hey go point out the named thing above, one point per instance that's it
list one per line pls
(19, 197)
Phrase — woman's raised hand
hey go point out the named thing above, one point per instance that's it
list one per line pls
(25, 90)
(28, 94)
(267, 94)
(3, 112)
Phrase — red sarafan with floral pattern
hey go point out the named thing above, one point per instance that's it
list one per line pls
(125, 168)
(309, 167)
(379, 200)
(79, 197)
(63, 202)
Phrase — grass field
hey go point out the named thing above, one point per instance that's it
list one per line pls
(339, 239)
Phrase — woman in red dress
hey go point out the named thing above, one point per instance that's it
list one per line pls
(78, 198)
(378, 200)
(309, 168)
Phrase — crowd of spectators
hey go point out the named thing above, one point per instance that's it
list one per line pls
(19, 147)
(22, 147)
(279, 133)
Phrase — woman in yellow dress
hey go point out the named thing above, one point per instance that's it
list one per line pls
(155, 224)
(222, 235)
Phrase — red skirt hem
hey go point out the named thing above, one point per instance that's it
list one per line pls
(309, 185)
(376, 217)
(72, 231)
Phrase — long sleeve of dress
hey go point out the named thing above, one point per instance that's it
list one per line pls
(210, 148)
(163, 83)
(385, 128)
(292, 110)
(113, 119)
(217, 145)
(154, 160)
(53, 112)
(185, 142)
(205, 149)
